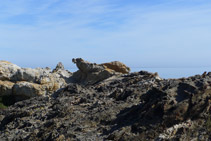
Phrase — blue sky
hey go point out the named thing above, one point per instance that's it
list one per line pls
(140, 33)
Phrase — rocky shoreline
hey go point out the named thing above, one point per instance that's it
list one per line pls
(102, 102)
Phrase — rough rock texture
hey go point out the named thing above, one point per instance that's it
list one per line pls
(26, 82)
(136, 106)
(59, 67)
(27, 89)
(6, 87)
(8, 70)
(117, 67)
(91, 73)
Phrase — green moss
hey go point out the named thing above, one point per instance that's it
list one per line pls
(2, 106)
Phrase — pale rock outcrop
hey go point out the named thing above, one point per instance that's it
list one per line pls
(87, 67)
(60, 72)
(28, 82)
(30, 75)
(59, 66)
(51, 82)
(91, 73)
(117, 67)
(8, 70)
(28, 90)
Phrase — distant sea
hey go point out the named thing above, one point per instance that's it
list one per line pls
(170, 72)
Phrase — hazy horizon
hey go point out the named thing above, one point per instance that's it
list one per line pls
(143, 34)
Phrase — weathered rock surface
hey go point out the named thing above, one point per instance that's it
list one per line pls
(136, 106)
(8, 70)
(91, 73)
(59, 67)
(28, 90)
(26, 82)
(117, 67)
(6, 87)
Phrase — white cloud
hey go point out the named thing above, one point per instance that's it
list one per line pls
(99, 31)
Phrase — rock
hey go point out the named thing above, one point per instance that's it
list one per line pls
(91, 73)
(29, 75)
(52, 83)
(134, 106)
(60, 72)
(59, 66)
(8, 70)
(117, 67)
(87, 67)
(28, 82)
(6, 88)
(28, 90)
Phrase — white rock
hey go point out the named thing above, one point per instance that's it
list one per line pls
(28, 82)
(8, 70)
(28, 89)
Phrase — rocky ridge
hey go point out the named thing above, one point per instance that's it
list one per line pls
(91, 73)
(23, 83)
(118, 106)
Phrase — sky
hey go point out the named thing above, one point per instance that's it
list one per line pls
(139, 33)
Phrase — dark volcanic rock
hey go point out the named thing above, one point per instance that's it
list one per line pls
(136, 106)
